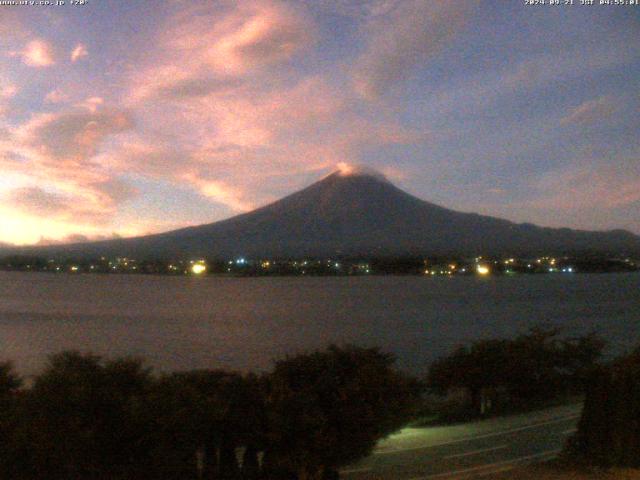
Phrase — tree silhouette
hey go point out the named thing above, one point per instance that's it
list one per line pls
(79, 419)
(206, 414)
(538, 365)
(10, 384)
(86, 417)
(609, 428)
(328, 408)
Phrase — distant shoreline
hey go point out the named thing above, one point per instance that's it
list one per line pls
(239, 275)
(241, 266)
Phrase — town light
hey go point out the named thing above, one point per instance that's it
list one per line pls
(483, 270)
(198, 268)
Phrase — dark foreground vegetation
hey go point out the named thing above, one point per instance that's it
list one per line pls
(87, 418)
(538, 368)
(84, 417)
(500, 375)
(609, 430)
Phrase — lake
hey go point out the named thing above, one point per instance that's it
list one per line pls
(245, 323)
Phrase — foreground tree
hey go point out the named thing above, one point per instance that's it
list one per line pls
(10, 384)
(327, 409)
(538, 365)
(200, 418)
(89, 418)
(609, 429)
(80, 420)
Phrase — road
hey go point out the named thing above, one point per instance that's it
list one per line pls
(468, 450)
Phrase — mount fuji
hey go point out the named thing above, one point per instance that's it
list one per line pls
(354, 212)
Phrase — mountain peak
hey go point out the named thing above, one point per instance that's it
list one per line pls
(353, 211)
(359, 170)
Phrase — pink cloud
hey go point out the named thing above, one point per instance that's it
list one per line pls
(235, 37)
(56, 96)
(205, 49)
(59, 152)
(229, 131)
(91, 104)
(37, 53)
(8, 91)
(218, 110)
(79, 52)
(220, 191)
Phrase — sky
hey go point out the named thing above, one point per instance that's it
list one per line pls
(121, 118)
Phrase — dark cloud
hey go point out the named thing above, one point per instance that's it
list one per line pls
(95, 207)
(73, 135)
(76, 238)
(36, 201)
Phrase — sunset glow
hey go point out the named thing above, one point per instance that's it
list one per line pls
(127, 118)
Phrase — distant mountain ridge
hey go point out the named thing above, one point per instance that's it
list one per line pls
(360, 213)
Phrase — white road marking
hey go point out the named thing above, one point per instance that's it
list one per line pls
(475, 452)
(487, 435)
(547, 454)
(570, 431)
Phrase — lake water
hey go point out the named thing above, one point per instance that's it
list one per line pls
(245, 323)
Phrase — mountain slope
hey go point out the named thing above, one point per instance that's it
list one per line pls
(357, 214)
